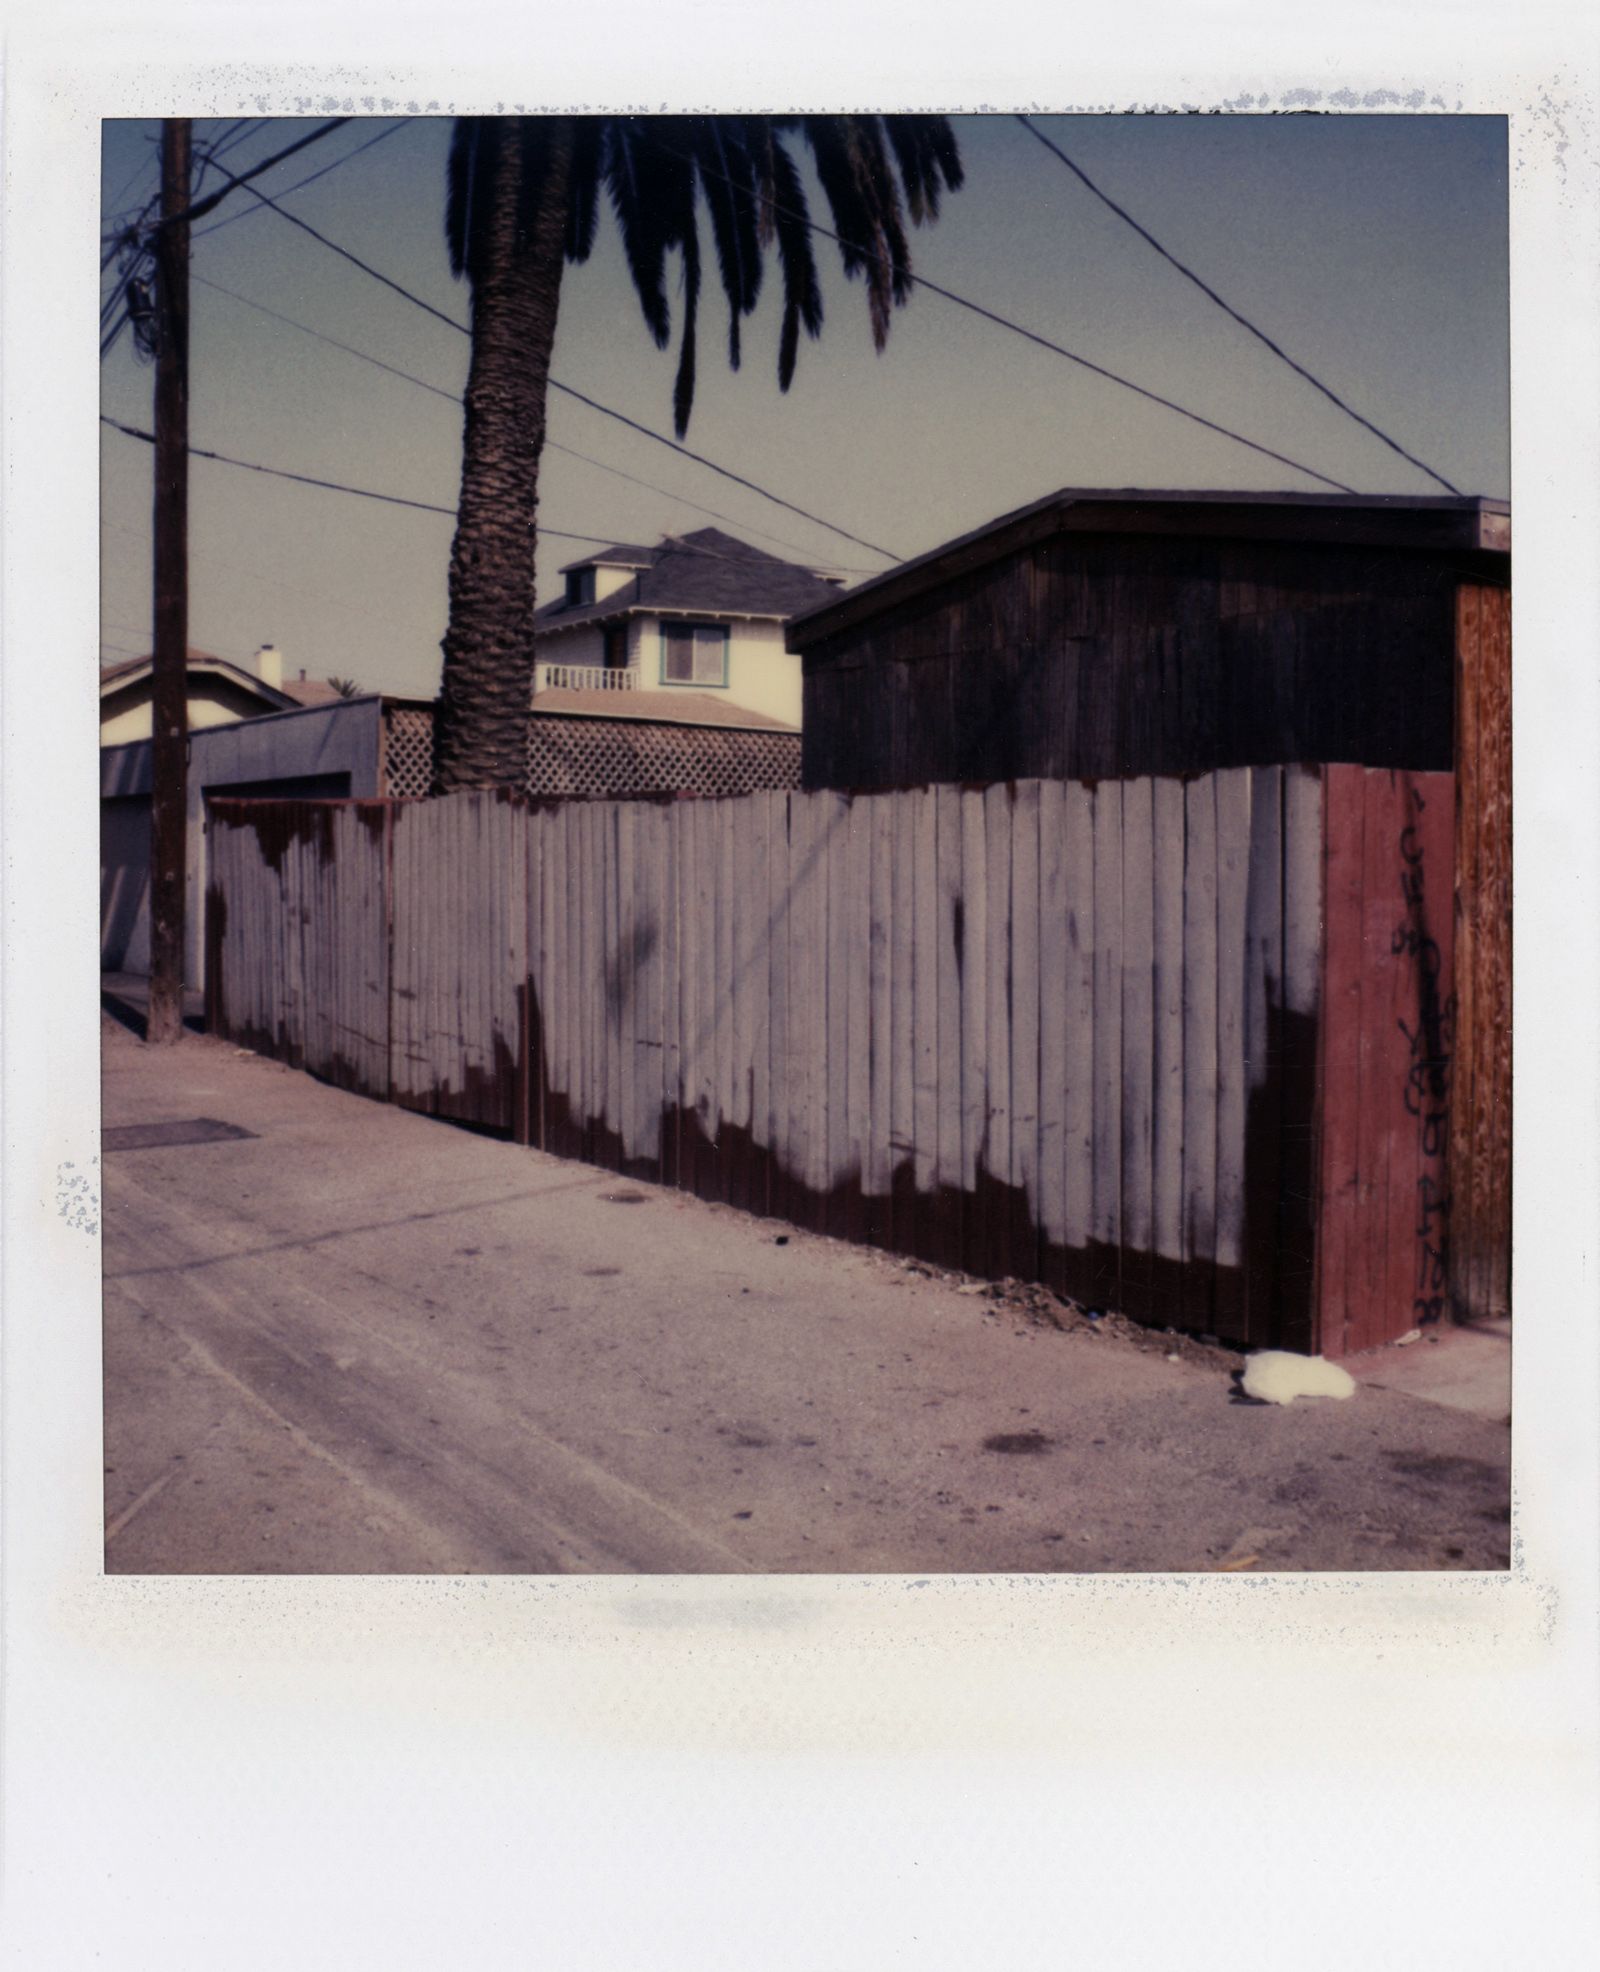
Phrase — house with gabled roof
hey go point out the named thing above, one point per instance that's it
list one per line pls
(697, 617)
(219, 692)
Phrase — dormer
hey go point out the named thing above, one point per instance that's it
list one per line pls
(596, 577)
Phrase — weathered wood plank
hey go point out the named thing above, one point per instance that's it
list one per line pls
(805, 998)
(721, 816)
(1381, 1114)
(881, 1152)
(1233, 876)
(1200, 1052)
(1263, 1019)
(997, 835)
(1302, 979)
(903, 1026)
(948, 1172)
(1166, 1070)
(836, 1043)
(1410, 962)
(1138, 1049)
(778, 1076)
(858, 1012)
(1106, 1182)
(745, 824)
(1051, 1211)
(1024, 968)
(1338, 1290)
(1492, 1042)
(1078, 992)
(925, 1017)
(974, 946)
(1428, 855)
(699, 959)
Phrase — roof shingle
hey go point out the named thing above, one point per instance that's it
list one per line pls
(706, 573)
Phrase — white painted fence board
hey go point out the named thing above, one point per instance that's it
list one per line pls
(836, 1043)
(1024, 970)
(997, 984)
(1233, 873)
(858, 989)
(903, 1009)
(1051, 1204)
(925, 991)
(880, 1155)
(1078, 990)
(974, 987)
(1167, 824)
(948, 1166)
(1106, 1179)
(1200, 1021)
(1138, 1019)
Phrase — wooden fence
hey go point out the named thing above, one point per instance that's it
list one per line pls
(1062, 1031)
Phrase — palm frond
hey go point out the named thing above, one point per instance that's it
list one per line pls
(727, 179)
(634, 185)
(474, 141)
(583, 201)
(683, 388)
(785, 204)
(925, 150)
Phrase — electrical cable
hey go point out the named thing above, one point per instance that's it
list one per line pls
(299, 185)
(567, 390)
(1030, 335)
(328, 485)
(1228, 309)
(201, 207)
(551, 444)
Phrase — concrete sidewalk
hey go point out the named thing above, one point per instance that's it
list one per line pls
(354, 1340)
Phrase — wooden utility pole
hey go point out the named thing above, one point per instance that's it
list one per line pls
(170, 685)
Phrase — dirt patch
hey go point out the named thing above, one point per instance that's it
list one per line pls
(1018, 1442)
(1444, 1469)
(1040, 1306)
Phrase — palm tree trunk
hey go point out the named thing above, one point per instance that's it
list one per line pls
(481, 723)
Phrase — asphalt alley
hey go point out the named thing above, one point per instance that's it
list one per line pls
(355, 1340)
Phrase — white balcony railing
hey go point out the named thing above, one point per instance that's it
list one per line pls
(584, 678)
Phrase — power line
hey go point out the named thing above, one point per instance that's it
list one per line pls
(567, 390)
(1030, 335)
(551, 444)
(1244, 322)
(258, 576)
(130, 235)
(328, 485)
(249, 212)
(209, 204)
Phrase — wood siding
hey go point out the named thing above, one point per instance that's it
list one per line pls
(1480, 1133)
(1082, 656)
(1058, 1031)
(1386, 1056)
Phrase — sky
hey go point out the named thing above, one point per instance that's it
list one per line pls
(1372, 248)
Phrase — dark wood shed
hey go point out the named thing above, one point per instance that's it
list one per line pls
(1107, 635)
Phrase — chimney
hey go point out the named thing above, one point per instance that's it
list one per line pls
(269, 666)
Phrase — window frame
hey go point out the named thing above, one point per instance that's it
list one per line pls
(696, 625)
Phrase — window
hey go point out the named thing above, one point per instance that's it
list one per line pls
(580, 587)
(694, 654)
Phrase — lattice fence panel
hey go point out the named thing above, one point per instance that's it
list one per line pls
(407, 751)
(611, 756)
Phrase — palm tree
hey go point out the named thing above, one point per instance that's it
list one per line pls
(523, 199)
